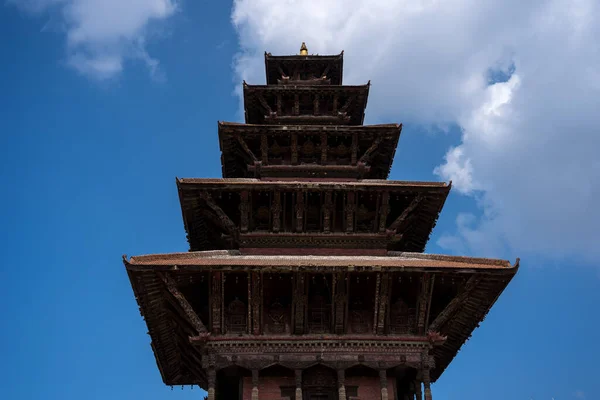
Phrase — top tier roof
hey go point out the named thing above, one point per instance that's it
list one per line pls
(317, 66)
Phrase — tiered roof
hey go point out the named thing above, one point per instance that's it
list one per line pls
(304, 190)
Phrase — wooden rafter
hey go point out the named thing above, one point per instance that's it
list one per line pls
(454, 304)
(424, 302)
(189, 312)
(263, 102)
(367, 155)
(223, 218)
(245, 147)
(396, 224)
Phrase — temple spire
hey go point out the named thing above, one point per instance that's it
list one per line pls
(303, 50)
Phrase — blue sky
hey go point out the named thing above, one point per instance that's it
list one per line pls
(95, 126)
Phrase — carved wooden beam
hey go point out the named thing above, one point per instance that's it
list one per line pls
(264, 103)
(183, 303)
(396, 224)
(276, 210)
(299, 211)
(327, 208)
(256, 304)
(367, 156)
(264, 149)
(224, 219)
(245, 147)
(454, 304)
(354, 150)
(384, 299)
(216, 302)
(294, 146)
(340, 297)
(384, 210)
(244, 210)
(376, 308)
(423, 302)
(279, 103)
(347, 104)
(296, 104)
(299, 301)
(350, 211)
(323, 148)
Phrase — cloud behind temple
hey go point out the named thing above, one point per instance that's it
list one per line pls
(102, 35)
(520, 79)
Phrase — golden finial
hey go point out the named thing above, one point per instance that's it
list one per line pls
(303, 50)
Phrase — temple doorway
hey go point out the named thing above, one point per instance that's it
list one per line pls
(319, 383)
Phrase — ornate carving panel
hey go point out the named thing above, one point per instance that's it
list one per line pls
(384, 296)
(299, 302)
(340, 298)
(402, 318)
(257, 299)
(236, 317)
(216, 301)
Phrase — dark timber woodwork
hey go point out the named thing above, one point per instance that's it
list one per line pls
(185, 306)
(306, 266)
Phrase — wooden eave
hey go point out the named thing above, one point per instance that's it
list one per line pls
(235, 160)
(337, 61)
(428, 200)
(356, 111)
(492, 278)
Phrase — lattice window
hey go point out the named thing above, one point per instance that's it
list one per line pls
(402, 318)
(236, 317)
(277, 322)
(319, 315)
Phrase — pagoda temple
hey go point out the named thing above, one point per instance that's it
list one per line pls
(306, 276)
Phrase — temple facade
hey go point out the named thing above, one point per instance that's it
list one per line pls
(306, 277)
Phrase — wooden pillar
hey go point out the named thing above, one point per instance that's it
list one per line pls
(254, 384)
(384, 384)
(384, 210)
(327, 208)
(354, 150)
(341, 384)
(296, 104)
(254, 303)
(212, 380)
(335, 104)
(299, 211)
(418, 390)
(350, 209)
(427, 384)
(298, 384)
(299, 302)
(323, 148)
(294, 146)
(384, 299)
(264, 149)
(216, 302)
(339, 303)
(276, 209)
(244, 209)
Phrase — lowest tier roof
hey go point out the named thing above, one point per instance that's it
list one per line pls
(492, 276)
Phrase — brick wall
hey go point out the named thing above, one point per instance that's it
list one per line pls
(269, 387)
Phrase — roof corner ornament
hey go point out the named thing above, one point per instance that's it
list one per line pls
(303, 50)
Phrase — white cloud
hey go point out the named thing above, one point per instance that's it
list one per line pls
(102, 35)
(529, 150)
